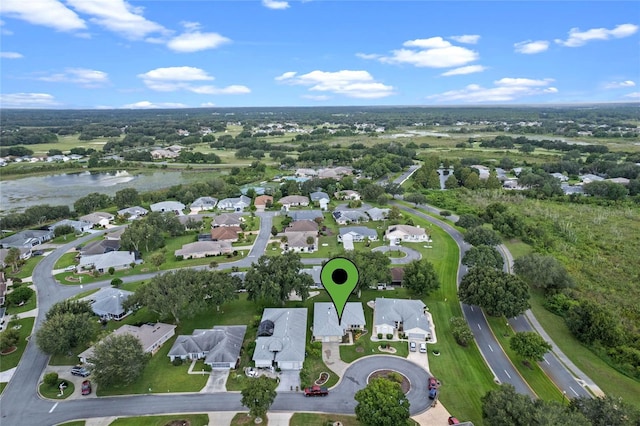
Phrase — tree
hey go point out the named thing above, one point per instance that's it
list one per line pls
(543, 272)
(127, 197)
(157, 259)
(495, 291)
(461, 331)
(142, 236)
(118, 360)
(492, 181)
(13, 259)
(259, 395)
(590, 322)
(62, 332)
(91, 202)
(451, 182)
(420, 277)
(605, 411)
(63, 230)
(20, 295)
(472, 181)
(9, 338)
(483, 256)
(504, 406)
(529, 345)
(373, 268)
(68, 306)
(272, 279)
(416, 198)
(482, 236)
(433, 180)
(469, 221)
(382, 403)
(184, 293)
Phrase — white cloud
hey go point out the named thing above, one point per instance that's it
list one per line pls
(275, 4)
(196, 41)
(3, 30)
(504, 90)
(118, 16)
(530, 47)
(469, 69)
(353, 84)
(171, 79)
(11, 55)
(579, 38)
(27, 100)
(317, 97)
(467, 39)
(619, 84)
(82, 76)
(48, 13)
(434, 52)
(153, 105)
(207, 104)
(633, 95)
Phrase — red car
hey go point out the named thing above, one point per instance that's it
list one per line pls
(86, 387)
(453, 421)
(433, 383)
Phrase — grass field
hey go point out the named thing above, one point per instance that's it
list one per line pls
(75, 423)
(25, 270)
(2, 386)
(11, 360)
(53, 392)
(245, 419)
(31, 304)
(194, 420)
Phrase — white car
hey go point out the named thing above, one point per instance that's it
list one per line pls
(423, 348)
(70, 268)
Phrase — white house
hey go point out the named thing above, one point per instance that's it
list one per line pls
(325, 321)
(237, 204)
(347, 194)
(294, 201)
(133, 213)
(107, 303)
(203, 203)
(28, 238)
(407, 233)
(168, 206)
(358, 234)
(403, 316)
(378, 214)
(301, 241)
(219, 347)
(79, 226)
(344, 217)
(200, 249)
(281, 339)
(151, 337)
(97, 218)
(227, 219)
(322, 198)
(113, 259)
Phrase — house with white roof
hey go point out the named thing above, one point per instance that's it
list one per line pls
(168, 206)
(237, 203)
(322, 198)
(406, 233)
(219, 347)
(293, 201)
(358, 234)
(281, 339)
(200, 249)
(79, 226)
(98, 218)
(347, 194)
(27, 238)
(133, 213)
(107, 303)
(113, 259)
(227, 219)
(402, 316)
(203, 203)
(325, 321)
(344, 217)
(377, 214)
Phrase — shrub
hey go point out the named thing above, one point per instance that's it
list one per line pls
(51, 379)
(445, 213)
(389, 336)
(379, 335)
(112, 270)
(177, 362)
(394, 377)
(116, 282)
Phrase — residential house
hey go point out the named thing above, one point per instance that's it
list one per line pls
(560, 177)
(219, 347)
(193, 220)
(25, 253)
(620, 180)
(168, 206)
(377, 214)
(293, 201)
(281, 339)
(133, 213)
(358, 234)
(28, 238)
(227, 219)
(98, 218)
(407, 233)
(115, 234)
(483, 171)
(327, 328)
(322, 198)
(79, 226)
(301, 226)
(335, 172)
(113, 259)
(262, 202)
(203, 203)
(588, 178)
(99, 247)
(314, 272)
(225, 233)
(107, 303)
(201, 249)
(305, 214)
(161, 153)
(151, 337)
(301, 242)
(308, 173)
(347, 194)
(237, 204)
(344, 217)
(397, 276)
(402, 316)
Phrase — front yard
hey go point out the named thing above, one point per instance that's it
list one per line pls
(11, 360)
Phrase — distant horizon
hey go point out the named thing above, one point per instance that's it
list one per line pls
(137, 54)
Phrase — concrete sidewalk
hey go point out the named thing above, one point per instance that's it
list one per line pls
(331, 357)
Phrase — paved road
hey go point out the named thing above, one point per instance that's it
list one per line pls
(410, 254)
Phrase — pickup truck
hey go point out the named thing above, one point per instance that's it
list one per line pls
(316, 391)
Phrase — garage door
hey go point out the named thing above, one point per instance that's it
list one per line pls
(416, 336)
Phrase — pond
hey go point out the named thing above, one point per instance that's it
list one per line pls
(65, 189)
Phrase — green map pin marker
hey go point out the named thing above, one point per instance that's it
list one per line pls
(339, 277)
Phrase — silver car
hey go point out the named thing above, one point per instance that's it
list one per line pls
(412, 346)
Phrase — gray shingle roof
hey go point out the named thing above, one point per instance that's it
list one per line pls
(220, 344)
(108, 301)
(205, 202)
(360, 230)
(289, 336)
(304, 214)
(409, 312)
(318, 195)
(325, 318)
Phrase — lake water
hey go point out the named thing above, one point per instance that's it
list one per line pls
(64, 189)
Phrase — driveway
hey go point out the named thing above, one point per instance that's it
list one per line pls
(410, 254)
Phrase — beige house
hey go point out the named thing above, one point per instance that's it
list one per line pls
(406, 233)
(294, 201)
(201, 249)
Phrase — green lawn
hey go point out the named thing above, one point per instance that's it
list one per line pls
(518, 248)
(53, 392)
(31, 304)
(313, 419)
(25, 270)
(2, 386)
(246, 419)
(11, 360)
(540, 383)
(610, 381)
(66, 259)
(194, 420)
(76, 423)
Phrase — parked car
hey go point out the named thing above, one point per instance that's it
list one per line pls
(433, 393)
(70, 268)
(86, 388)
(412, 346)
(80, 371)
(433, 383)
(453, 421)
(423, 348)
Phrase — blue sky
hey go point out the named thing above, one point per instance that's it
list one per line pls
(163, 53)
